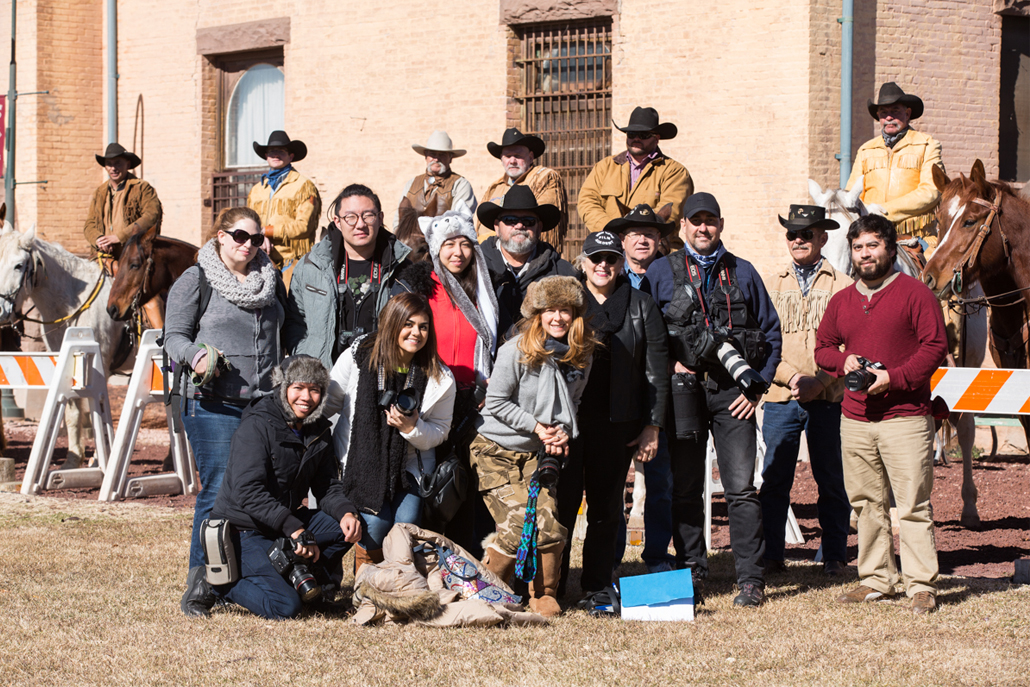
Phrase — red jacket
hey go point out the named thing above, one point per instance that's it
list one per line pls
(455, 337)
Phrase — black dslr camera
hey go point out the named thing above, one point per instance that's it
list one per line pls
(293, 567)
(860, 380)
(406, 400)
(547, 469)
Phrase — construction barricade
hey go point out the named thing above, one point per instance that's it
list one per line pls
(988, 391)
(76, 373)
(147, 386)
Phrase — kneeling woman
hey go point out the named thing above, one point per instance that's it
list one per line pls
(531, 404)
(385, 449)
(281, 450)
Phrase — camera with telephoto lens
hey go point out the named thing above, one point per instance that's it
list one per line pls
(293, 567)
(406, 400)
(686, 405)
(860, 380)
(717, 346)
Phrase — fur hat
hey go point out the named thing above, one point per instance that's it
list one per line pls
(306, 370)
(554, 292)
(451, 224)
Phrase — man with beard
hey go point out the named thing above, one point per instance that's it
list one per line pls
(640, 174)
(894, 321)
(897, 166)
(515, 255)
(436, 191)
(518, 152)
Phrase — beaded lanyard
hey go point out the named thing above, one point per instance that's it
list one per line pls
(525, 558)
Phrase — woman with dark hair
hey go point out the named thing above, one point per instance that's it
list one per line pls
(223, 320)
(384, 443)
(623, 405)
(530, 409)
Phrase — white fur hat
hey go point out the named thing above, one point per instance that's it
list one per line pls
(451, 224)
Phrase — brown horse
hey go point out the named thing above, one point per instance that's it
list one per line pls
(146, 268)
(985, 237)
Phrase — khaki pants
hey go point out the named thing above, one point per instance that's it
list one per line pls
(878, 457)
(504, 483)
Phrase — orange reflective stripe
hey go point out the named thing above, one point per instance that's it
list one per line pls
(983, 389)
(938, 374)
(28, 368)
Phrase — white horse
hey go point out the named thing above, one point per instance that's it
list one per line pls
(59, 284)
(845, 207)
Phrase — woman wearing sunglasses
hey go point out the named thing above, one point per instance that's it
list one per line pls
(224, 316)
(623, 405)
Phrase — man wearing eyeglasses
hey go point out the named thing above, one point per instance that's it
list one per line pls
(640, 174)
(803, 398)
(340, 287)
(709, 296)
(515, 256)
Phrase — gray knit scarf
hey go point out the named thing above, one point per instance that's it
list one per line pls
(256, 292)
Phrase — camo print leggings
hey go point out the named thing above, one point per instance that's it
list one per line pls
(504, 483)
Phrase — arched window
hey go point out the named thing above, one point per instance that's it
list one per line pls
(256, 109)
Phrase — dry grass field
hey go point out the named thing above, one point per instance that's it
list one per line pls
(89, 596)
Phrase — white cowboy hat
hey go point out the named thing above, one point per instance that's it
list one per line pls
(440, 142)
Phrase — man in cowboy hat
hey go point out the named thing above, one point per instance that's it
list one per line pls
(121, 207)
(518, 153)
(640, 174)
(515, 255)
(803, 398)
(897, 165)
(436, 191)
(288, 203)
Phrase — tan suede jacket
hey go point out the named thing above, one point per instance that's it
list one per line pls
(141, 210)
(901, 179)
(292, 211)
(606, 194)
(799, 320)
(548, 187)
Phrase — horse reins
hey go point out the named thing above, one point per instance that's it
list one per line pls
(78, 311)
(137, 317)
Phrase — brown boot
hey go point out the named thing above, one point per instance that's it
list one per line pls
(543, 590)
(362, 556)
(499, 564)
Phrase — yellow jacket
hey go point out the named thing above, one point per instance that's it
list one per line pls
(292, 211)
(901, 179)
(606, 194)
(799, 319)
(549, 189)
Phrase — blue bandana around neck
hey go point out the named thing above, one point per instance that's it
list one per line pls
(275, 177)
(706, 261)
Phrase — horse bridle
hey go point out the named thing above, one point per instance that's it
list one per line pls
(137, 304)
(973, 252)
(30, 273)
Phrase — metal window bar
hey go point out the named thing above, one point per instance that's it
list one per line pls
(230, 189)
(566, 97)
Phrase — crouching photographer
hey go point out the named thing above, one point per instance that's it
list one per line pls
(725, 339)
(272, 552)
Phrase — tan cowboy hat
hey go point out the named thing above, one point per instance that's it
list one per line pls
(440, 142)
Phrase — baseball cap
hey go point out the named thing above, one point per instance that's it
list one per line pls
(700, 202)
(602, 242)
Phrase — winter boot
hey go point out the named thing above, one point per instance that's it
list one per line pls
(499, 564)
(362, 556)
(544, 587)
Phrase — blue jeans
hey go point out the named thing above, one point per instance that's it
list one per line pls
(781, 428)
(209, 428)
(405, 507)
(263, 591)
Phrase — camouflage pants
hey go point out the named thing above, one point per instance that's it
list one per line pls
(504, 483)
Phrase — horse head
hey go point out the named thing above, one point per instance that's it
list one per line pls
(962, 255)
(131, 282)
(844, 207)
(19, 267)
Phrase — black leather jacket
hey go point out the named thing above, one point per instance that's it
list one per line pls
(640, 359)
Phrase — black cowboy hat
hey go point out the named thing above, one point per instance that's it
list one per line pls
(279, 139)
(890, 93)
(642, 215)
(518, 197)
(644, 119)
(115, 150)
(514, 137)
(808, 217)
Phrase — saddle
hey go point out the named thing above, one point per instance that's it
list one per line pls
(914, 249)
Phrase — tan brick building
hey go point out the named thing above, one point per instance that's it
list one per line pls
(753, 87)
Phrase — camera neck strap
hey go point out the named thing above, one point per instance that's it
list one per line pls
(381, 378)
(697, 280)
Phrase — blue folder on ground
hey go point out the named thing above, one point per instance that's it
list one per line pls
(660, 596)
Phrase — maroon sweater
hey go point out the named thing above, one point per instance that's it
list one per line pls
(902, 327)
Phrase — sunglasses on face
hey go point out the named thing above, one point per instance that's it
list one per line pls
(606, 258)
(512, 220)
(805, 234)
(240, 236)
(641, 135)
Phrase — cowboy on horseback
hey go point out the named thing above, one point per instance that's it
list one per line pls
(123, 206)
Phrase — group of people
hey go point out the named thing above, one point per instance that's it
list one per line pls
(300, 356)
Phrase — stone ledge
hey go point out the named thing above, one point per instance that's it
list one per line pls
(537, 11)
(251, 35)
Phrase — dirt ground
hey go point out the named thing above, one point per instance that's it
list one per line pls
(1002, 480)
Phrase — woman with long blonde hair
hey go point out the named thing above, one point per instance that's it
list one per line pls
(529, 417)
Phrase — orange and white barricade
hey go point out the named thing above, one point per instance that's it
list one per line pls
(76, 372)
(987, 391)
(147, 386)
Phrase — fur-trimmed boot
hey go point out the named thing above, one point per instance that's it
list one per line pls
(499, 564)
(543, 590)
(362, 556)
